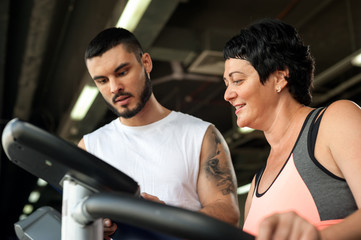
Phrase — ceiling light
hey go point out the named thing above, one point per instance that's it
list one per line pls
(243, 189)
(84, 102)
(356, 61)
(28, 208)
(34, 196)
(245, 130)
(41, 182)
(132, 14)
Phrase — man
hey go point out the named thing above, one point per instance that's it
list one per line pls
(176, 158)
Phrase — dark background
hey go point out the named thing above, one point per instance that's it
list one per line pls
(42, 69)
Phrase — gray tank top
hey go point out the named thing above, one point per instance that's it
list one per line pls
(332, 195)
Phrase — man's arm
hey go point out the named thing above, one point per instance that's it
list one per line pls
(217, 185)
(81, 144)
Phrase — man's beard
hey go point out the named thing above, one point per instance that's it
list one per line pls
(144, 97)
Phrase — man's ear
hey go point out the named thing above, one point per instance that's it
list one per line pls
(147, 62)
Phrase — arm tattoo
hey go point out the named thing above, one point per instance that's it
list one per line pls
(222, 176)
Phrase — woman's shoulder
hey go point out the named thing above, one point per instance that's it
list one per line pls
(343, 106)
(341, 110)
(342, 115)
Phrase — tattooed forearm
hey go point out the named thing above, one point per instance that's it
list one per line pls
(220, 174)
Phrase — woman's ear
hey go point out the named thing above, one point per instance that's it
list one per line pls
(281, 77)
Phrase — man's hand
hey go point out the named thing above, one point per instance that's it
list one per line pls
(151, 198)
(109, 228)
(287, 225)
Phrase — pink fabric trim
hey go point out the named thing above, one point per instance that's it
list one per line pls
(324, 224)
(287, 193)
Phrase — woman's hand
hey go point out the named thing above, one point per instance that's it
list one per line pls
(287, 225)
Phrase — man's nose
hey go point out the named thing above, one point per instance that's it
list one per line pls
(115, 85)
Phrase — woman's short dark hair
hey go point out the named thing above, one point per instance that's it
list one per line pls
(110, 38)
(271, 45)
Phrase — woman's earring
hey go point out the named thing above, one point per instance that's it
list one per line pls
(278, 89)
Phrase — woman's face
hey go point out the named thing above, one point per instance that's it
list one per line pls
(248, 96)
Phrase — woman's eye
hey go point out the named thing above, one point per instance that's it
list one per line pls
(237, 82)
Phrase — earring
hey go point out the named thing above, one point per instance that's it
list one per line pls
(278, 89)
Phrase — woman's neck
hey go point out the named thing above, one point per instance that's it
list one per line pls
(286, 125)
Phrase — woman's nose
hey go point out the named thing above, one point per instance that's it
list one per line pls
(229, 94)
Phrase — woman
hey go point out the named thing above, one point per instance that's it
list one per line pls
(310, 186)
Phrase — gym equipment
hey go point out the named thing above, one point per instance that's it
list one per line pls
(92, 190)
(32, 227)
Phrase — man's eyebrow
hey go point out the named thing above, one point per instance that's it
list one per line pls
(121, 66)
(115, 70)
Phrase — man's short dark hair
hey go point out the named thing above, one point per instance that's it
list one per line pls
(110, 38)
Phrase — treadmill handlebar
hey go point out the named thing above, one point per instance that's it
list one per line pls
(155, 216)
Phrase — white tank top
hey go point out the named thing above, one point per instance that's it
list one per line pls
(163, 157)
